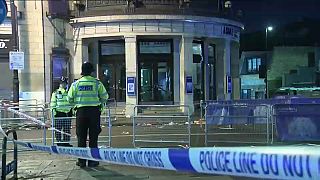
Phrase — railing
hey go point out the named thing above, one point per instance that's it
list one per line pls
(232, 123)
(63, 129)
(9, 119)
(177, 7)
(297, 122)
(151, 128)
(270, 121)
(126, 2)
(13, 165)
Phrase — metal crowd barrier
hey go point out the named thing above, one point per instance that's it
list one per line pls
(223, 124)
(114, 109)
(297, 122)
(64, 129)
(236, 123)
(161, 125)
(39, 112)
(30, 131)
(12, 166)
(272, 162)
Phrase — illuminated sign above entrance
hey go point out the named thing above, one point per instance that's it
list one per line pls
(112, 49)
(154, 47)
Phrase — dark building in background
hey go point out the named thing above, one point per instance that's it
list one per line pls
(293, 61)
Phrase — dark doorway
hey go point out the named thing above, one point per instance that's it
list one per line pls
(59, 67)
(112, 71)
(198, 71)
(155, 72)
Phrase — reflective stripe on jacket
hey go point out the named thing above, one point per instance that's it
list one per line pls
(59, 101)
(87, 91)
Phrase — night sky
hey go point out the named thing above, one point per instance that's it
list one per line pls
(257, 14)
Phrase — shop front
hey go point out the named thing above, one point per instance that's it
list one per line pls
(148, 60)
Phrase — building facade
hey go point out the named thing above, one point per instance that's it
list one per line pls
(286, 67)
(145, 52)
(253, 84)
(5, 46)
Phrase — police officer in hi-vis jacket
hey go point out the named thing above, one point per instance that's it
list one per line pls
(88, 96)
(61, 110)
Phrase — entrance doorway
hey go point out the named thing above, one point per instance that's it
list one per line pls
(112, 69)
(155, 72)
(113, 78)
(198, 72)
(155, 86)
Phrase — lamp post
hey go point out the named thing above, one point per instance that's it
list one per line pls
(14, 25)
(269, 28)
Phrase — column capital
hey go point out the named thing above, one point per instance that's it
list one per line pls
(130, 39)
(187, 38)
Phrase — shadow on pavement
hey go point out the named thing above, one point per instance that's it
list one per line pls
(104, 173)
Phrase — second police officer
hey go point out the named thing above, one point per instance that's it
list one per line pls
(61, 110)
(88, 96)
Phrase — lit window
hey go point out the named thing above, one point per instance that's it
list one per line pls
(253, 64)
(246, 94)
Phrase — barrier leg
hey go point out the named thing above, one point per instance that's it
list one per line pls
(189, 131)
(13, 165)
(52, 126)
(268, 132)
(109, 126)
(133, 132)
(206, 127)
(4, 158)
(44, 128)
(272, 125)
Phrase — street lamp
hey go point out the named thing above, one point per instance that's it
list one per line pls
(269, 28)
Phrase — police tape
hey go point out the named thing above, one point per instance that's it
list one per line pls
(284, 162)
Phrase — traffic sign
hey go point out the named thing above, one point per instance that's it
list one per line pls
(16, 60)
(3, 10)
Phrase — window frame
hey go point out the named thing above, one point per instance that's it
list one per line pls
(253, 65)
(249, 94)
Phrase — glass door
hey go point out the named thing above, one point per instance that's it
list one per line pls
(112, 68)
(120, 82)
(113, 78)
(155, 71)
(155, 83)
(164, 82)
(147, 90)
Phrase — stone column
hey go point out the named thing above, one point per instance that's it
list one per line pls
(235, 73)
(131, 71)
(186, 56)
(206, 69)
(94, 55)
(81, 55)
(220, 69)
(227, 61)
(176, 70)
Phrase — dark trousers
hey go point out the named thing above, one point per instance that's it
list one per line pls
(88, 118)
(63, 125)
